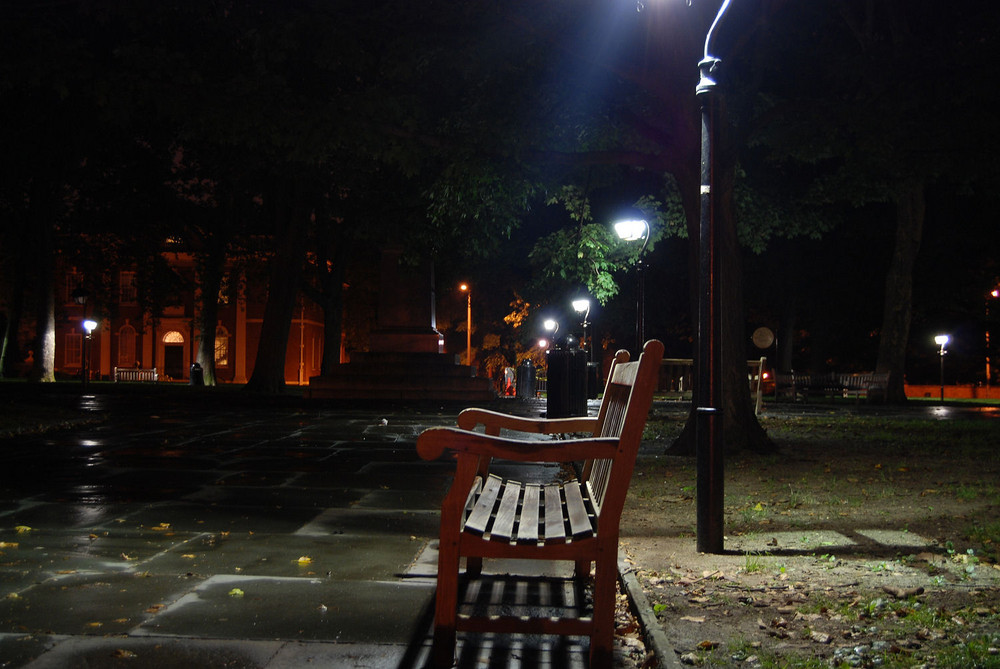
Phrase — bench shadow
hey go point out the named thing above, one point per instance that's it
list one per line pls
(503, 594)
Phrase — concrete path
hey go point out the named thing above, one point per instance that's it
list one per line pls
(179, 531)
(186, 529)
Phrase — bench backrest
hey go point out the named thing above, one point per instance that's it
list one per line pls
(628, 396)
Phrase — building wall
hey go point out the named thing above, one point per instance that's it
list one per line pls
(124, 338)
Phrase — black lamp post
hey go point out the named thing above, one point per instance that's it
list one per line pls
(582, 306)
(942, 341)
(80, 296)
(708, 391)
(631, 230)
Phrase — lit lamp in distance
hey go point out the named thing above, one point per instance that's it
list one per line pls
(89, 326)
(582, 306)
(632, 230)
(942, 341)
(467, 289)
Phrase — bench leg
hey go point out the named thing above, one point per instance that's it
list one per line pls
(602, 638)
(446, 602)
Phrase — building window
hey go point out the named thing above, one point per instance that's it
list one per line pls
(128, 292)
(221, 347)
(224, 289)
(173, 337)
(73, 281)
(126, 346)
(74, 349)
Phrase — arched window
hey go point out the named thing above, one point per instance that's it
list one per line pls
(221, 347)
(173, 337)
(126, 346)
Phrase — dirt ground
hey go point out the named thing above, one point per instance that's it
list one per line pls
(863, 542)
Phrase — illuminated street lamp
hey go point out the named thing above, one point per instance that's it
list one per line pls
(582, 306)
(80, 296)
(632, 230)
(551, 325)
(465, 288)
(708, 389)
(942, 341)
(89, 326)
(995, 293)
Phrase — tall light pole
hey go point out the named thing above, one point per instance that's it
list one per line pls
(80, 296)
(942, 341)
(582, 306)
(465, 288)
(994, 294)
(708, 390)
(631, 230)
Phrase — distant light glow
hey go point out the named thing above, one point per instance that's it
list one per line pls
(550, 325)
(632, 229)
(581, 305)
(89, 325)
(942, 340)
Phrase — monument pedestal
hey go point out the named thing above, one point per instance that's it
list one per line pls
(406, 360)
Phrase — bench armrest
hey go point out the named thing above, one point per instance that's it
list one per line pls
(435, 441)
(494, 421)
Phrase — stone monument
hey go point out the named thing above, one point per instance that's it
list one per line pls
(406, 358)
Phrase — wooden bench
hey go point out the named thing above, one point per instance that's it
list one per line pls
(485, 516)
(867, 385)
(135, 374)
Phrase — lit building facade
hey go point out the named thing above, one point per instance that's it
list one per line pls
(127, 338)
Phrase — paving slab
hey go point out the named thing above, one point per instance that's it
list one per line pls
(249, 607)
(90, 603)
(342, 557)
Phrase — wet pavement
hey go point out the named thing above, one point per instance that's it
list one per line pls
(178, 530)
(186, 529)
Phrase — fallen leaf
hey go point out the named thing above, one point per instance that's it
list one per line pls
(235, 592)
(708, 645)
(155, 608)
(190, 556)
(8, 544)
(95, 624)
(305, 559)
(121, 653)
(22, 529)
(161, 527)
(902, 593)
(693, 619)
(820, 637)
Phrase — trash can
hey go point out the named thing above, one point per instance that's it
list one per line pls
(197, 375)
(525, 380)
(567, 384)
(594, 386)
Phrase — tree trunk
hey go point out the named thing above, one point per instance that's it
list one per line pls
(740, 428)
(895, 333)
(209, 283)
(211, 268)
(44, 346)
(284, 284)
(10, 347)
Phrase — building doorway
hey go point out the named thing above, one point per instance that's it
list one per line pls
(173, 355)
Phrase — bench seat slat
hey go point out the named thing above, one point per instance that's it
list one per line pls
(555, 527)
(506, 514)
(527, 530)
(576, 510)
(479, 519)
